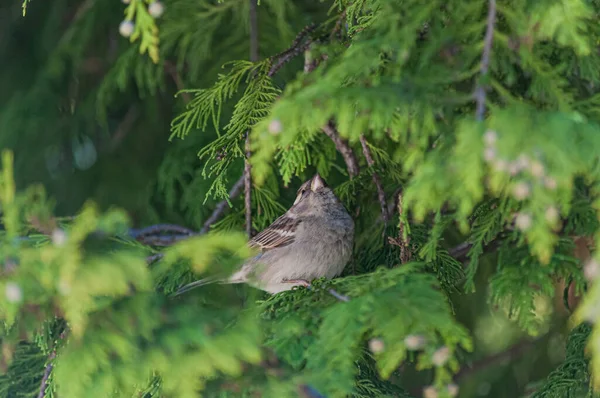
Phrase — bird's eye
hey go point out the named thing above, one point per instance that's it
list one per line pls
(300, 195)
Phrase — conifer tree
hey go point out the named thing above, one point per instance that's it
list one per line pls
(144, 142)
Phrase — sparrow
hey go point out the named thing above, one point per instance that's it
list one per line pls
(313, 239)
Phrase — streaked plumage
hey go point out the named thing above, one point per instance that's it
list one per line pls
(313, 239)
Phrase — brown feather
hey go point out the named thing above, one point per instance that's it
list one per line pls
(280, 233)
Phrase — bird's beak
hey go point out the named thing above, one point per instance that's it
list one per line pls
(317, 183)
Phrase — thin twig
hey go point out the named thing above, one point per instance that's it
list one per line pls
(248, 189)
(222, 206)
(376, 178)
(162, 240)
(339, 296)
(247, 167)
(401, 242)
(254, 31)
(123, 128)
(343, 148)
(341, 145)
(297, 48)
(511, 352)
(160, 228)
(172, 71)
(47, 371)
(480, 93)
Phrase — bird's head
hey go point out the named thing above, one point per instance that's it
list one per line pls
(314, 192)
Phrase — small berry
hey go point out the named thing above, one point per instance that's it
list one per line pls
(156, 9)
(523, 221)
(490, 137)
(551, 214)
(452, 389)
(537, 169)
(13, 292)
(414, 342)
(376, 346)
(430, 392)
(126, 1)
(550, 183)
(489, 154)
(441, 356)
(126, 28)
(59, 237)
(591, 269)
(521, 190)
(514, 168)
(275, 127)
(64, 287)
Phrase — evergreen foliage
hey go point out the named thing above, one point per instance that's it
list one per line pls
(473, 125)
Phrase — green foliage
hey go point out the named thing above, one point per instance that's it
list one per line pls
(571, 378)
(144, 27)
(89, 118)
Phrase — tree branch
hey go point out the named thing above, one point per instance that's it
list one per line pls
(329, 129)
(400, 241)
(47, 371)
(247, 167)
(511, 352)
(172, 71)
(297, 48)
(222, 206)
(343, 148)
(123, 128)
(376, 179)
(159, 228)
(480, 91)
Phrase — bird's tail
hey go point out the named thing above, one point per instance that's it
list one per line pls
(193, 285)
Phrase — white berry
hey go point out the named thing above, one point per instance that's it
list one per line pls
(514, 168)
(452, 389)
(551, 214)
(521, 190)
(489, 154)
(59, 237)
(275, 127)
(156, 9)
(550, 183)
(64, 287)
(523, 221)
(414, 342)
(126, 1)
(537, 169)
(126, 28)
(13, 292)
(441, 356)
(376, 346)
(490, 137)
(591, 269)
(430, 392)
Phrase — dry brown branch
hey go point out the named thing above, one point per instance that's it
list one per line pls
(343, 148)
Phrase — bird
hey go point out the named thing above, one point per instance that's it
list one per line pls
(313, 239)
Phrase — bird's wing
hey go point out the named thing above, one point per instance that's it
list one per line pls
(279, 234)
